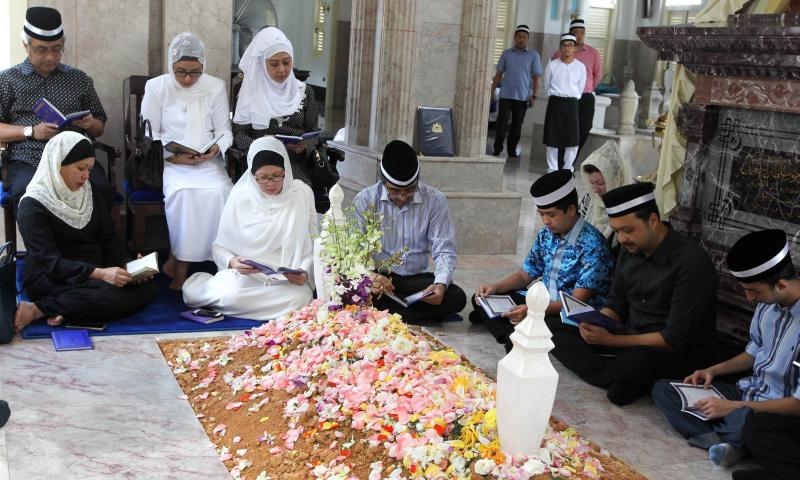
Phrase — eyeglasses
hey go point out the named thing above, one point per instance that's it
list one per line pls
(273, 179)
(57, 50)
(404, 192)
(184, 74)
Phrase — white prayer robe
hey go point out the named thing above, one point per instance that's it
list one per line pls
(271, 229)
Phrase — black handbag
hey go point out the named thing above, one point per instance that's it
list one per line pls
(8, 290)
(146, 170)
(321, 169)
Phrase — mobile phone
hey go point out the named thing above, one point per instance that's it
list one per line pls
(204, 312)
(97, 327)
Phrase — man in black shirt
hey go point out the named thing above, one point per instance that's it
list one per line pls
(42, 75)
(664, 292)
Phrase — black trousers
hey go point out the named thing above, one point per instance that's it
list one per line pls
(453, 302)
(500, 327)
(635, 369)
(774, 441)
(516, 109)
(21, 173)
(585, 118)
(96, 301)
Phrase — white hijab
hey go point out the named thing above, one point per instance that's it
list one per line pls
(261, 98)
(273, 229)
(49, 189)
(198, 95)
(607, 159)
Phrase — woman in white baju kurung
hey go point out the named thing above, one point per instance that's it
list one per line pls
(190, 107)
(269, 218)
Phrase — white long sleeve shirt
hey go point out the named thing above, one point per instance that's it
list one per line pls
(565, 79)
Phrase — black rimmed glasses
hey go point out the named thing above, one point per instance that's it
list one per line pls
(184, 73)
(270, 179)
(56, 50)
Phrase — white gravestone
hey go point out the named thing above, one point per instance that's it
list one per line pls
(336, 215)
(527, 381)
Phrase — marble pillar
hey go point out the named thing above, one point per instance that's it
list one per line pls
(473, 82)
(211, 20)
(360, 71)
(393, 101)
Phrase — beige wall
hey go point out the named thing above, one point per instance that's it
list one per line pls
(12, 14)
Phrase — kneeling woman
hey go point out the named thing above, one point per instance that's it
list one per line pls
(73, 265)
(269, 218)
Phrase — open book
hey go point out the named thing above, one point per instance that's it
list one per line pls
(177, 148)
(691, 394)
(575, 312)
(413, 298)
(496, 305)
(144, 267)
(47, 112)
(292, 139)
(268, 270)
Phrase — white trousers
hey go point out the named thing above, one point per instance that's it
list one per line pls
(570, 153)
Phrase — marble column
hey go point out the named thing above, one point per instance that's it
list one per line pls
(473, 80)
(393, 102)
(360, 70)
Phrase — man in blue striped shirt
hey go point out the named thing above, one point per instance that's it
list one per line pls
(762, 264)
(415, 220)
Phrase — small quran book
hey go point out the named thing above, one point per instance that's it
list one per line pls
(413, 298)
(691, 394)
(177, 148)
(268, 270)
(293, 139)
(496, 305)
(65, 340)
(48, 113)
(435, 132)
(575, 312)
(144, 267)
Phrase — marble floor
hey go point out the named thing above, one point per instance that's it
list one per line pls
(114, 412)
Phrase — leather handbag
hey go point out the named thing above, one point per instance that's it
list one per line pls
(8, 290)
(321, 169)
(146, 170)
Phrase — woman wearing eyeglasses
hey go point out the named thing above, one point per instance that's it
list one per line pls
(190, 107)
(273, 102)
(268, 221)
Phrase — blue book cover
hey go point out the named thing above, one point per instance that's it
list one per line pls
(574, 312)
(48, 113)
(435, 131)
(267, 270)
(293, 139)
(65, 340)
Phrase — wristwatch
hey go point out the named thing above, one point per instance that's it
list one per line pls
(28, 132)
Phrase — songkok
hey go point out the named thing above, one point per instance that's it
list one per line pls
(43, 23)
(577, 23)
(399, 164)
(266, 157)
(758, 255)
(81, 151)
(629, 198)
(568, 37)
(522, 28)
(550, 189)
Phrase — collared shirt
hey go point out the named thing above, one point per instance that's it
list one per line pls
(68, 88)
(673, 291)
(518, 66)
(588, 56)
(565, 79)
(422, 226)
(579, 259)
(774, 343)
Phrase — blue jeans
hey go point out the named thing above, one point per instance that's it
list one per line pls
(702, 434)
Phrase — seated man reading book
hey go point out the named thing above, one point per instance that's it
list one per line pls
(569, 255)
(42, 75)
(664, 292)
(416, 221)
(762, 264)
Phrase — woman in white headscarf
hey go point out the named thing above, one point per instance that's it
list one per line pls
(602, 171)
(74, 258)
(269, 218)
(190, 107)
(272, 101)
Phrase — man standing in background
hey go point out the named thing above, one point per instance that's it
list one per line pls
(520, 69)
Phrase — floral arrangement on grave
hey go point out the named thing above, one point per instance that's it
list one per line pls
(349, 242)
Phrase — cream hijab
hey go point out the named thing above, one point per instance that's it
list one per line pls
(196, 97)
(273, 229)
(261, 98)
(48, 187)
(607, 159)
